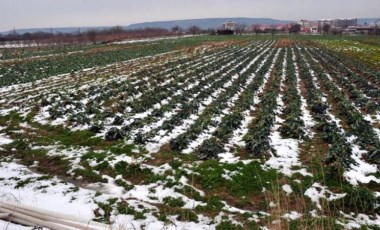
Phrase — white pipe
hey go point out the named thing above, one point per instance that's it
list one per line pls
(48, 218)
(4, 216)
(56, 215)
(36, 221)
(21, 221)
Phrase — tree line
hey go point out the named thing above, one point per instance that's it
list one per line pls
(113, 34)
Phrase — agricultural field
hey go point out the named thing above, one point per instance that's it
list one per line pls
(367, 50)
(208, 132)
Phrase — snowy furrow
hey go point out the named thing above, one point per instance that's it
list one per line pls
(165, 137)
(286, 152)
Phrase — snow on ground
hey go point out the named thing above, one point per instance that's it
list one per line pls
(287, 189)
(231, 102)
(239, 133)
(359, 172)
(356, 221)
(286, 155)
(51, 194)
(306, 115)
(286, 152)
(293, 215)
(131, 41)
(4, 139)
(165, 137)
(317, 192)
(19, 184)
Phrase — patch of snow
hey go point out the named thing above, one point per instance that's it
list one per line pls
(358, 172)
(286, 188)
(317, 192)
(293, 215)
(355, 221)
(4, 139)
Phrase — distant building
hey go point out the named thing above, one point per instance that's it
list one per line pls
(322, 23)
(359, 30)
(344, 23)
(309, 27)
(230, 25)
(228, 28)
(338, 23)
(265, 28)
(280, 27)
(261, 27)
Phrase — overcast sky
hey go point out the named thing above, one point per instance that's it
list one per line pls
(66, 13)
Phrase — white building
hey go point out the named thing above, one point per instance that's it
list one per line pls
(308, 26)
(230, 25)
(339, 23)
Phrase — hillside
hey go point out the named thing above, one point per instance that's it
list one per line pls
(206, 23)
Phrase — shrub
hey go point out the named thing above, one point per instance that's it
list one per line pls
(173, 202)
(228, 225)
(210, 148)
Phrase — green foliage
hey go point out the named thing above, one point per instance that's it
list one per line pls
(90, 175)
(213, 204)
(173, 202)
(98, 156)
(190, 192)
(23, 183)
(67, 137)
(175, 164)
(187, 215)
(251, 179)
(210, 149)
(124, 184)
(228, 225)
(357, 199)
(122, 149)
(211, 174)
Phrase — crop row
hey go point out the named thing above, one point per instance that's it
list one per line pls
(339, 151)
(358, 126)
(355, 85)
(257, 140)
(96, 95)
(293, 125)
(214, 109)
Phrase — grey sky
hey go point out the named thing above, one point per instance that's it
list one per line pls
(66, 13)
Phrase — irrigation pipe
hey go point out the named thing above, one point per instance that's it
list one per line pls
(48, 218)
(36, 221)
(28, 214)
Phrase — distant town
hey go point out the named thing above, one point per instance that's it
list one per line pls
(100, 35)
(325, 26)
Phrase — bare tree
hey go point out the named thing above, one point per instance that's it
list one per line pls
(92, 35)
(194, 30)
(177, 30)
(240, 28)
(295, 29)
(211, 31)
(326, 28)
(377, 31)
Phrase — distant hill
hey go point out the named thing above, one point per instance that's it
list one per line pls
(206, 23)
(69, 30)
(202, 23)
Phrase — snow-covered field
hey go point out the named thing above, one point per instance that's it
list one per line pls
(258, 133)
